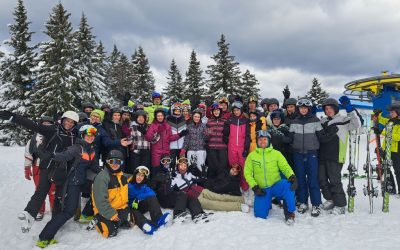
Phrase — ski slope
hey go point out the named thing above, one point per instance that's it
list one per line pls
(227, 230)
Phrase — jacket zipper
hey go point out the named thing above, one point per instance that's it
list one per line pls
(265, 174)
(237, 133)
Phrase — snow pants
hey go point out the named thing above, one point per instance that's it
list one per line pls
(197, 156)
(306, 170)
(71, 203)
(109, 228)
(217, 161)
(36, 180)
(220, 202)
(43, 188)
(281, 190)
(330, 181)
(235, 155)
(150, 205)
(179, 202)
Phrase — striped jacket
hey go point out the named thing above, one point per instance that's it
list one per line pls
(214, 132)
(304, 133)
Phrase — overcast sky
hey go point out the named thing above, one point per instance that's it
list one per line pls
(281, 42)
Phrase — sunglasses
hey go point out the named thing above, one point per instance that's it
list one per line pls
(127, 109)
(304, 102)
(165, 160)
(115, 161)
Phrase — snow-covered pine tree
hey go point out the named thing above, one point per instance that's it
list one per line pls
(316, 93)
(86, 83)
(100, 70)
(110, 78)
(174, 91)
(194, 82)
(224, 75)
(17, 76)
(143, 79)
(54, 91)
(120, 78)
(248, 86)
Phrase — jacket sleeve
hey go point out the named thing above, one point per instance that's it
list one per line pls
(100, 197)
(284, 166)
(46, 131)
(95, 167)
(172, 137)
(226, 132)
(355, 122)
(150, 132)
(107, 142)
(71, 153)
(249, 172)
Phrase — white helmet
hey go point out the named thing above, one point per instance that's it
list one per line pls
(71, 115)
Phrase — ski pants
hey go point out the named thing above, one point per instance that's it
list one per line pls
(108, 228)
(396, 166)
(179, 202)
(330, 181)
(217, 161)
(42, 189)
(235, 155)
(197, 156)
(36, 180)
(174, 154)
(150, 205)
(71, 203)
(281, 190)
(306, 170)
(143, 158)
(219, 202)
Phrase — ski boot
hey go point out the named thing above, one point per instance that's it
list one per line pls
(85, 218)
(148, 228)
(302, 208)
(181, 217)
(315, 211)
(164, 220)
(338, 210)
(289, 218)
(327, 205)
(45, 243)
(202, 218)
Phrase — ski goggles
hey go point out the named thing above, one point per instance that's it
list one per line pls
(127, 109)
(115, 161)
(165, 160)
(304, 102)
(237, 105)
(263, 133)
(143, 170)
(182, 160)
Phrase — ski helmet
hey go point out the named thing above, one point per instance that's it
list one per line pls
(223, 100)
(253, 99)
(87, 130)
(114, 157)
(71, 115)
(197, 111)
(289, 101)
(264, 101)
(83, 117)
(396, 108)
(331, 102)
(176, 106)
(126, 109)
(264, 133)
(140, 112)
(88, 105)
(156, 95)
(115, 154)
(46, 118)
(143, 170)
(277, 113)
(272, 101)
(105, 106)
(237, 105)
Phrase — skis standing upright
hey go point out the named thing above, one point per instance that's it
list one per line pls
(369, 190)
(387, 186)
(378, 151)
(351, 189)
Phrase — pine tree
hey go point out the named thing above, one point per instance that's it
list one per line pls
(249, 86)
(100, 69)
(17, 76)
(143, 79)
(316, 93)
(174, 91)
(56, 75)
(225, 74)
(194, 82)
(86, 83)
(120, 78)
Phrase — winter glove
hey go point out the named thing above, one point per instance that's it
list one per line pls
(142, 129)
(377, 131)
(292, 179)
(28, 173)
(135, 204)
(258, 191)
(286, 93)
(344, 101)
(331, 129)
(183, 133)
(244, 154)
(5, 115)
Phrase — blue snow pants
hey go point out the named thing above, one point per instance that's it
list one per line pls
(280, 190)
(306, 170)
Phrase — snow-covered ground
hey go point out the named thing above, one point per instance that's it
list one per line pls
(233, 230)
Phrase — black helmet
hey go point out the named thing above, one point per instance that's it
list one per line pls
(140, 112)
(116, 110)
(277, 113)
(88, 105)
(115, 154)
(83, 117)
(290, 101)
(105, 106)
(197, 111)
(331, 102)
(264, 101)
(46, 118)
(273, 101)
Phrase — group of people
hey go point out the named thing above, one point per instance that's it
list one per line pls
(223, 155)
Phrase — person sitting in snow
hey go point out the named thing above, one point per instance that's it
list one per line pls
(186, 181)
(110, 197)
(143, 199)
(262, 171)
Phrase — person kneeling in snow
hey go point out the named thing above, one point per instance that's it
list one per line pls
(110, 197)
(262, 171)
(187, 182)
(143, 199)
